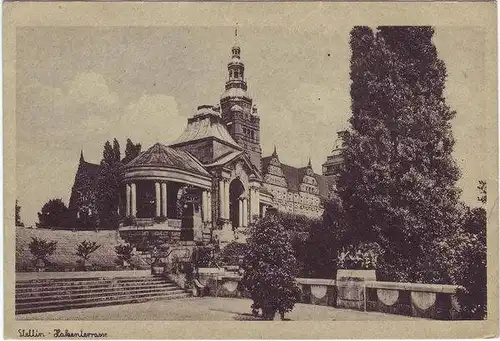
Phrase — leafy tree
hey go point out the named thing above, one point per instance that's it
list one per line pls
(398, 183)
(54, 214)
(86, 248)
(482, 192)
(270, 268)
(42, 249)
(318, 253)
(131, 151)
(18, 215)
(464, 256)
(108, 195)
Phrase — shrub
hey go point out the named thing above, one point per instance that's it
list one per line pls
(86, 248)
(124, 252)
(159, 220)
(129, 221)
(270, 268)
(231, 254)
(41, 249)
(362, 256)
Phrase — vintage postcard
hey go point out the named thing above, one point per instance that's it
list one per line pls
(250, 170)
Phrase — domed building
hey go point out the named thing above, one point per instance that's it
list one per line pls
(212, 181)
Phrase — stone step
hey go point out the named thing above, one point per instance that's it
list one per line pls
(69, 293)
(76, 305)
(62, 281)
(41, 296)
(88, 282)
(96, 286)
(94, 298)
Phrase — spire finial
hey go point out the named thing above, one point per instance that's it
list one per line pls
(81, 156)
(274, 152)
(309, 163)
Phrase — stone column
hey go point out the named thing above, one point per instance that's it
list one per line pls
(164, 199)
(222, 206)
(264, 209)
(240, 213)
(158, 199)
(127, 193)
(254, 203)
(204, 205)
(209, 204)
(133, 202)
(226, 199)
(245, 212)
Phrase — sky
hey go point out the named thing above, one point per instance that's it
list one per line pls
(77, 87)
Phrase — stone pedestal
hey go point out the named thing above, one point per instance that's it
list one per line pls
(351, 288)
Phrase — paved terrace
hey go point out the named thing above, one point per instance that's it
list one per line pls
(207, 309)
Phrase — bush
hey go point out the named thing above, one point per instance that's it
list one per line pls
(363, 256)
(41, 249)
(231, 254)
(159, 220)
(124, 252)
(270, 268)
(86, 248)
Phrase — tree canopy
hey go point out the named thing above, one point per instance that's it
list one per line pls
(398, 182)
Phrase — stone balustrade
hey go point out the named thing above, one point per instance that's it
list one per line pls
(435, 301)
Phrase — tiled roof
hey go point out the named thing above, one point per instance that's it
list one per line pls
(91, 170)
(206, 126)
(161, 155)
(224, 159)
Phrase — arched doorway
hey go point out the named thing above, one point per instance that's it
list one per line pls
(236, 191)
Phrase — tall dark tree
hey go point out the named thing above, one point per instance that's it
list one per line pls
(131, 151)
(398, 184)
(18, 215)
(108, 186)
(54, 214)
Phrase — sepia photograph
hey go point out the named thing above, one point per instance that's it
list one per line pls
(250, 171)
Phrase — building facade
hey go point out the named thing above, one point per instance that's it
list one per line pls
(213, 180)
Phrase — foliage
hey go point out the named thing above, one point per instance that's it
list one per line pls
(129, 221)
(203, 256)
(18, 215)
(54, 213)
(41, 249)
(231, 254)
(86, 248)
(482, 187)
(297, 223)
(398, 185)
(363, 256)
(159, 220)
(463, 254)
(317, 254)
(108, 186)
(124, 252)
(270, 268)
(131, 151)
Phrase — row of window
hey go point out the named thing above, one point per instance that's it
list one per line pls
(249, 133)
(235, 74)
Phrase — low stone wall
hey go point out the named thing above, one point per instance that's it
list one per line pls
(435, 301)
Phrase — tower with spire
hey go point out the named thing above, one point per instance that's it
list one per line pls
(238, 112)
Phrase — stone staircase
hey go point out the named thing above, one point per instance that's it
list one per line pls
(70, 293)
